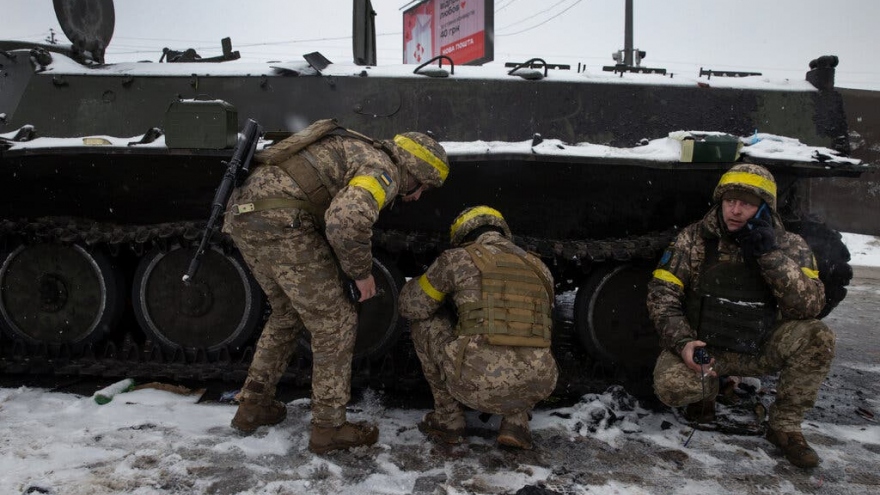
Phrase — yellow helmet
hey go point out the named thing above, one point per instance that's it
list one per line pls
(473, 218)
(424, 158)
(748, 178)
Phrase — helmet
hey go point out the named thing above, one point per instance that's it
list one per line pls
(748, 178)
(425, 159)
(473, 218)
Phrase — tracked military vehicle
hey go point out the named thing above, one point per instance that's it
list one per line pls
(107, 172)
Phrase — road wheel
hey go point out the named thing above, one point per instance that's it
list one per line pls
(221, 308)
(379, 321)
(54, 294)
(611, 316)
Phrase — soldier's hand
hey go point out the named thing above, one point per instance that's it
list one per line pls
(367, 287)
(757, 238)
(687, 355)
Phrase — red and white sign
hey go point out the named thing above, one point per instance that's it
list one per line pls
(460, 29)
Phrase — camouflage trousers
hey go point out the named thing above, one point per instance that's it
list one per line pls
(501, 380)
(297, 270)
(800, 350)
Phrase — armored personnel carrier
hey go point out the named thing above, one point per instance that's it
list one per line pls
(107, 172)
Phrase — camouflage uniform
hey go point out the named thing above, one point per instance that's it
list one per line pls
(799, 347)
(298, 267)
(505, 380)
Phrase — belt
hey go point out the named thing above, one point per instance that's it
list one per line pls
(275, 203)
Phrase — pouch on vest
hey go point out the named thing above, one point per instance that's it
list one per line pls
(514, 309)
(732, 307)
(735, 326)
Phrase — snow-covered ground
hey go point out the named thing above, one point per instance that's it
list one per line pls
(153, 442)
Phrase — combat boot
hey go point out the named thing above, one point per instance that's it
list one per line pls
(515, 435)
(254, 413)
(795, 447)
(446, 433)
(700, 412)
(329, 438)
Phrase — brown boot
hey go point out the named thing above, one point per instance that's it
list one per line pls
(700, 412)
(515, 435)
(432, 428)
(253, 413)
(328, 438)
(795, 447)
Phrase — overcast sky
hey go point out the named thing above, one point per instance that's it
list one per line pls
(775, 37)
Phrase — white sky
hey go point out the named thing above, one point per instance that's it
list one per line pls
(777, 37)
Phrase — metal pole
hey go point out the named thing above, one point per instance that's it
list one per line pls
(628, 35)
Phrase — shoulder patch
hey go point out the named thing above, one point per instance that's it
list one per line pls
(386, 179)
(666, 258)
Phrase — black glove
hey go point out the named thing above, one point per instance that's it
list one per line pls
(756, 238)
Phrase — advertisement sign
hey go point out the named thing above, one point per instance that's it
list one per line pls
(462, 30)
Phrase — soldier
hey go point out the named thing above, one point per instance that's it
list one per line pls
(737, 283)
(492, 351)
(306, 212)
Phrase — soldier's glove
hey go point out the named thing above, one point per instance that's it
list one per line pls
(757, 238)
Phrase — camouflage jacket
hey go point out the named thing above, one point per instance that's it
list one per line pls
(361, 180)
(453, 273)
(790, 272)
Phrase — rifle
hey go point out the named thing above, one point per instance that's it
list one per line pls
(236, 170)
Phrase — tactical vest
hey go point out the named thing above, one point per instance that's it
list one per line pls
(515, 305)
(731, 307)
(291, 156)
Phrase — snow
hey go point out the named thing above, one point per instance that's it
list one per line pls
(668, 149)
(62, 65)
(152, 441)
(864, 250)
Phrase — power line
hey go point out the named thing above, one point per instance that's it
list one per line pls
(542, 23)
(499, 9)
(532, 17)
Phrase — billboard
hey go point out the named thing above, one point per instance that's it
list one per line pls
(462, 30)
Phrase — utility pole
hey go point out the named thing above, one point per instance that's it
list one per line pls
(628, 34)
(51, 39)
(629, 59)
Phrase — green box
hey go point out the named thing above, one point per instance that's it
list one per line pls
(710, 148)
(206, 124)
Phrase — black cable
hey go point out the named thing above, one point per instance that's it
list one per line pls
(702, 406)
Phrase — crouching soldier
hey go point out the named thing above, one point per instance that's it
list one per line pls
(741, 286)
(491, 350)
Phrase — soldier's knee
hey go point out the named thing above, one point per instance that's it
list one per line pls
(822, 339)
(668, 390)
(813, 340)
(667, 395)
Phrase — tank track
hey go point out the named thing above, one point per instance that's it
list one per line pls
(126, 353)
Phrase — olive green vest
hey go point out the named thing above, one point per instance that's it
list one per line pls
(731, 307)
(515, 305)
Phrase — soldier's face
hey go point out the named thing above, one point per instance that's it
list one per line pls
(736, 213)
(414, 195)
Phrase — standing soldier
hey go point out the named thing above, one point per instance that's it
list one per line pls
(741, 286)
(305, 212)
(493, 354)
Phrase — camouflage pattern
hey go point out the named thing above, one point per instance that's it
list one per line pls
(422, 156)
(468, 370)
(298, 267)
(800, 350)
(746, 177)
(472, 218)
(800, 347)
